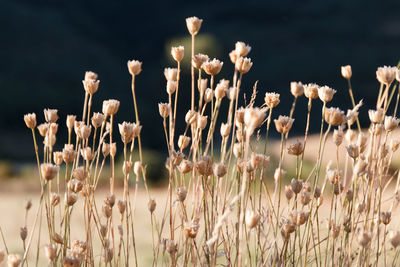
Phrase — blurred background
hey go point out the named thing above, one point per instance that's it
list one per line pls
(46, 47)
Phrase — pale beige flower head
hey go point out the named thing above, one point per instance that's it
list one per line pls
(338, 136)
(134, 67)
(398, 75)
(126, 131)
(43, 128)
(171, 74)
(394, 238)
(202, 122)
(163, 109)
(183, 141)
(311, 90)
(30, 120)
(193, 25)
(334, 116)
(232, 93)
(212, 67)
(13, 260)
(69, 153)
(391, 123)
(98, 119)
(296, 148)
(242, 49)
(225, 129)
(233, 56)
(171, 87)
(346, 71)
(177, 53)
(253, 118)
(208, 95)
(90, 75)
(202, 86)
(326, 93)
(198, 60)
(221, 89)
(376, 116)
(49, 171)
(58, 157)
(51, 115)
(252, 219)
(297, 89)
(386, 75)
(110, 107)
(91, 86)
(283, 124)
(191, 117)
(364, 238)
(70, 122)
(219, 169)
(272, 99)
(243, 64)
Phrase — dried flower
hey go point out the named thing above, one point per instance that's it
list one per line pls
(171, 74)
(212, 67)
(334, 116)
(219, 169)
(208, 95)
(51, 115)
(253, 118)
(364, 239)
(311, 90)
(288, 192)
(164, 110)
(221, 89)
(243, 64)
(91, 86)
(50, 251)
(13, 260)
(297, 89)
(54, 199)
(242, 49)
(70, 198)
(346, 71)
(191, 117)
(58, 157)
(376, 116)
(181, 192)
(151, 205)
(137, 168)
(391, 123)
(27, 206)
(110, 107)
(23, 233)
(360, 167)
(134, 67)
(177, 53)
(90, 75)
(191, 228)
(283, 124)
(385, 217)
(97, 119)
(296, 185)
(183, 141)
(80, 173)
(198, 60)
(185, 166)
(193, 25)
(326, 93)
(296, 148)
(252, 219)
(353, 151)
(278, 174)
(338, 136)
(69, 153)
(225, 129)
(126, 131)
(204, 166)
(30, 120)
(49, 171)
(386, 75)
(121, 206)
(394, 238)
(271, 99)
(335, 176)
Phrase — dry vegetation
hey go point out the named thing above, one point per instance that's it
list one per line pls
(218, 209)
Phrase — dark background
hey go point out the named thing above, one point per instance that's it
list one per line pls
(46, 46)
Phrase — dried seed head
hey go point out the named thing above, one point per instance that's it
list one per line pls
(171, 74)
(58, 238)
(30, 120)
(171, 87)
(51, 115)
(334, 116)
(202, 86)
(376, 116)
(353, 151)
(113, 149)
(346, 71)
(349, 195)
(80, 173)
(70, 122)
(183, 141)
(105, 149)
(242, 49)
(394, 145)
(27, 205)
(394, 238)
(87, 153)
(2, 255)
(120, 230)
(185, 166)
(233, 56)
(335, 176)
(49, 141)
(364, 238)
(219, 169)
(237, 148)
(297, 89)
(126, 167)
(121, 206)
(108, 255)
(91, 86)
(385, 217)
(240, 116)
(212, 67)
(54, 199)
(191, 117)
(208, 95)
(75, 185)
(58, 157)
(338, 136)
(326, 93)
(70, 198)
(317, 192)
(243, 64)
(177, 53)
(191, 228)
(391, 123)
(107, 211)
(90, 75)
(225, 129)
(163, 109)
(43, 128)
(311, 90)
(360, 167)
(171, 246)
(23, 233)
(50, 251)
(98, 119)
(49, 171)
(252, 219)
(204, 166)
(253, 118)
(272, 99)
(13, 260)
(386, 75)
(110, 107)
(257, 161)
(287, 228)
(221, 89)
(77, 127)
(137, 168)
(193, 25)
(283, 124)
(232, 93)
(296, 148)
(335, 231)
(279, 174)
(296, 185)
(305, 197)
(198, 60)
(126, 131)
(288, 192)
(151, 205)
(134, 67)
(181, 192)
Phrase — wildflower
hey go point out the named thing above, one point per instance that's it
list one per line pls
(233, 56)
(225, 129)
(391, 123)
(97, 119)
(191, 228)
(91, 86)
(13, 260)
(219, 170)
(137, 168)
(28, 205)
(110, 107)
(283, 124)
(208, 95)
(23, 233)
(212, 67)
(385, 217)
(271, 99)
(376, 116)
(185, 166)
(296, 185)
(386, 75)
(252, 219)
(90, 75)
(311, 90)
(121, 206)
(278, 174)
(360, 167)
(334, 116)
(242, 49)
(126, 131)
(346, 71)
(198, 60)
(54, 199)
(243, 64)
(338, 136)
(297, 89)
(326, 93)
(30, 120)
(296, 148)
(50, 251)
(80, 173)
(177, 53)
(253, 118)
(164, 110)
(49, 171)
(151, 205)
(70, 122)
(364, 239)
(134, 67)
(193, 25)
(221, 88)
(394, 238)
(68, 153)
(191, 117)
(288, 192)
(353, 151)
(181, 193)
(183, 141)
(171, 74)
(335, 176)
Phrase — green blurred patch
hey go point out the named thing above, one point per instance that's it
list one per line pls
(6, 170)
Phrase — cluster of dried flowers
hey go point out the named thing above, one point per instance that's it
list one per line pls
(220, 209)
